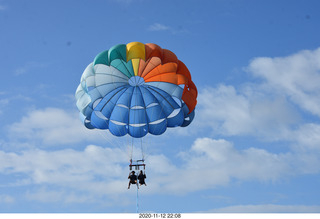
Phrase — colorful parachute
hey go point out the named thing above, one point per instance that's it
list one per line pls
(136, 89)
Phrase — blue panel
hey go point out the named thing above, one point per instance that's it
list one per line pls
(98, 122)
(107, 104)
(107, 88)
(94, 95)
(177, 120)
(168, 98)
(137, 116)
(137, 99)
(117, 130)
(158, 129)
(85, 121)
(166, 107)
(120, 114)
(172, 89)
(87, 112)
(188, 119)
(107, 110)
(125, 98)
(148, 97)
(185, 109)
(138, 132)
(117, 92)
(155, 113)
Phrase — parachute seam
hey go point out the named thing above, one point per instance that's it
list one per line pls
(156, 100)
(112, 97)
(162, 96)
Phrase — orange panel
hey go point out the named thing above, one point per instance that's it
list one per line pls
(169, 67)
(190, 100)
(182, 79)
(167, 77)
(150, 65)
(161, 69)
(163, 65)
(142, 66)
(189, 95)
(182, 69)
(168, 56)
(193, 88)
(153, 50)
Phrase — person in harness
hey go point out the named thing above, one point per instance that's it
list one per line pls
(133, 179)
(141, 178)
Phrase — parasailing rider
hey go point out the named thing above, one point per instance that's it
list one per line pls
(133, 179)
(141, 178)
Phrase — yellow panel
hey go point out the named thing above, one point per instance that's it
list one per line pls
(136, 50)
(135, 65)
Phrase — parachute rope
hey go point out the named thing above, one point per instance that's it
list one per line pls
(142, 151)
(118, 145)
(137, 201)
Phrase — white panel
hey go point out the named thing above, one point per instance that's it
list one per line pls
(107, 79)
(109, 70)
(87, 72)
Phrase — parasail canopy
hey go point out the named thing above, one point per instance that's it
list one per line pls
(136, 89)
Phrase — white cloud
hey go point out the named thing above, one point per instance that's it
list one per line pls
(305, 138)
(64, 166)
(268, 208)
(27, 67)
(96, 173)
(267, 109)
(210, 163)
(228, 111)
(67, 175)
(297, 76)
(53, 126)
(6, 199)
(6, 99)
(158, 27)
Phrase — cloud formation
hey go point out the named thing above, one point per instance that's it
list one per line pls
(297, 76)
(60, 175)
(228, 111)
(158, 27)
(272, 109)
(52, 127)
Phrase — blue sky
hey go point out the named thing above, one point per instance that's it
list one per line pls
(254, 143)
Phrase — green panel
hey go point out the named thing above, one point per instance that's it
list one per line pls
(101, 58)
(124, 67)
(118, 52)
(130, 67)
